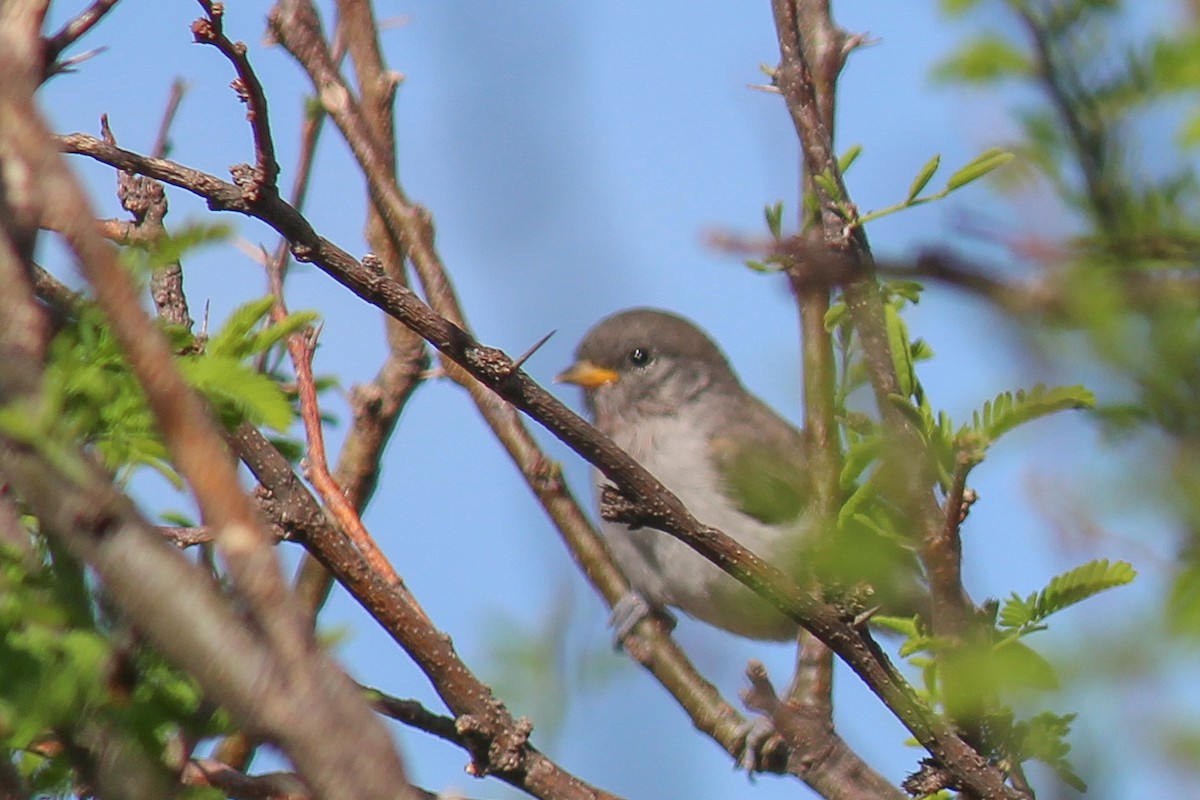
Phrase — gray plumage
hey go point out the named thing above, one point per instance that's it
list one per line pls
(665, 393)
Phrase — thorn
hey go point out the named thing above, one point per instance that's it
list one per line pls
(516, 365)
(69, 64)
(862, 619)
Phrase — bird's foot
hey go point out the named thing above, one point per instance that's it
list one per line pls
(629, 611)
(758, 732)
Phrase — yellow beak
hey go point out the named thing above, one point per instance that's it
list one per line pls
(587, 375)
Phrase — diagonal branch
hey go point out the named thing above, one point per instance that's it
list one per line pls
(498, 743)
(407, 230)
(493, 369)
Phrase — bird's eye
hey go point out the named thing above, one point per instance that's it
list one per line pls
(640, 356)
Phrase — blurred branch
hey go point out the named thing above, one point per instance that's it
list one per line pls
(71, 32)
(283, 653)
(163, 140)
(238, 785)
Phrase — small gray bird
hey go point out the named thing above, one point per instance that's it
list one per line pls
(664, 392)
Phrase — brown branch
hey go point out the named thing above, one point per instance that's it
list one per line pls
(415, 715)
(71, 32)
(240, 786)
(211, 30)
(493, 369)
(366, 767)
(268, 786)
(823, 759)
(301, 347)
(498, 744)
(162, 141)
(146, 200)
(405, 229)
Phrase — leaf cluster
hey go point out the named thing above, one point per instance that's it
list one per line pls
(69, 671)
(91, 397)
(999, 663)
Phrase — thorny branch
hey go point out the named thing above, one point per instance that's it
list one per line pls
(404, 229)
(493, 369)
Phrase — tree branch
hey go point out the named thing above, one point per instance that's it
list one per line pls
(493, 369)
(368, 767)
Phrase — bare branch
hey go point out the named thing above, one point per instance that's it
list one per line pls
(823, 759)
(211, 30)
(71, 32)
(162, 141)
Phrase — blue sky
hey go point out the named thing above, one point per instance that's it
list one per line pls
(574, 157)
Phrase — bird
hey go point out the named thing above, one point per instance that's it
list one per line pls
(664, 392)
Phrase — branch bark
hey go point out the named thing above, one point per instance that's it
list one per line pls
(493, 369)
(98, 526)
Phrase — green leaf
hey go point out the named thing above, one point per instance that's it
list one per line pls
(859, 456)
(906, 407)
(171, 247)
(905, 626)
(849, 157)
(235, 387)
(956, 8)
(1044, 738)
(1017, 665)
(923, 178)
(834, 316)
(774, 217)
(1007, 411)
(984, 163)
(234, 338)
(765, 478)
(897, 333)
(826, 182)
(270, 335)
(906, 289)
(986, 58)
(1064, 590)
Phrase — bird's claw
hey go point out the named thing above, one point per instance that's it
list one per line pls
(758, 732)
(629, 611)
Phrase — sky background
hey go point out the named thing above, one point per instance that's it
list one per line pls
(574, 157)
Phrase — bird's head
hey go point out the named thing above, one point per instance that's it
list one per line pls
(644, 362)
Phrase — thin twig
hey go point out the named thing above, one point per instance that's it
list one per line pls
(163, 140)
(249, 89)
(72, 31)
